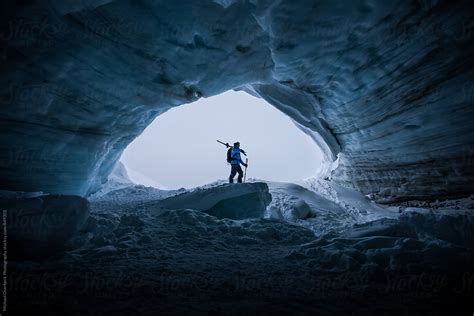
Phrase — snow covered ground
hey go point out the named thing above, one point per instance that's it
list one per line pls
(318, 248)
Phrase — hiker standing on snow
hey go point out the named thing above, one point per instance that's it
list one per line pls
(235, 161)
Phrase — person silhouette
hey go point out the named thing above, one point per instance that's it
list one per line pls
(235, 162)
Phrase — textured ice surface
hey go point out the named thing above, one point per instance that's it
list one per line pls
(383, 85)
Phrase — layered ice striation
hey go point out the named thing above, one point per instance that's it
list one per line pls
(383, 87)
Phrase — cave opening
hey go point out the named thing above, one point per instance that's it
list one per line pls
(382, 87)
(179, 148)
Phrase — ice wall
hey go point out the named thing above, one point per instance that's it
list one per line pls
(384, 85)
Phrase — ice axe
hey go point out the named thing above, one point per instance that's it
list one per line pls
(246, 164)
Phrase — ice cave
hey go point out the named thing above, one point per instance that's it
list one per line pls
(384, 89)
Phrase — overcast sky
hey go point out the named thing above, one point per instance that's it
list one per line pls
(179, 148)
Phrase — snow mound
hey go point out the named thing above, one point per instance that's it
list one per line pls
(413, 243)
(234, 201)
(116, 180)
(134, 193)
(323, 206)
(192, 226)
(149, 228)
(123, 178)
(139, 178)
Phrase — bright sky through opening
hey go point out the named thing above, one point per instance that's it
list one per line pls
(179, 148)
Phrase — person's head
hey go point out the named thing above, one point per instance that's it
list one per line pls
(237, 145)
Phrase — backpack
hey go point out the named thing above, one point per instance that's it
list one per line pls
(229, 157)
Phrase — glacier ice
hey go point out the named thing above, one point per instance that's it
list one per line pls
(384, 87)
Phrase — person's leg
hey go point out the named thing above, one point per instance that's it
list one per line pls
(241, 173)
(233, 171)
